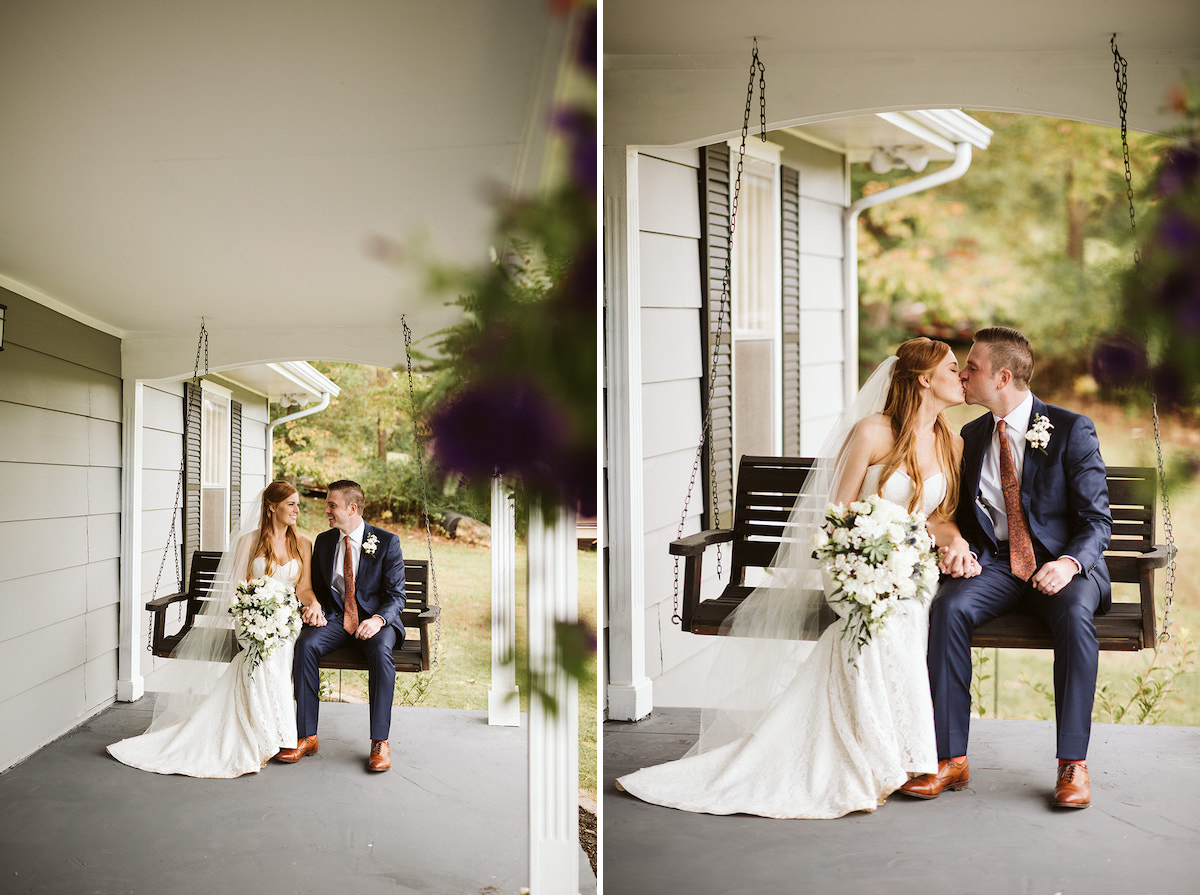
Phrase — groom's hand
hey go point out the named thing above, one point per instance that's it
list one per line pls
(1054, 575)
(368, 628)
(955, 560)
(313, 615)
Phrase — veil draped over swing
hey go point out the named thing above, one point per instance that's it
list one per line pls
(770, 633)
(205, 651)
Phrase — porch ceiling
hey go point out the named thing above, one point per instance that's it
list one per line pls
(164, 161)
(675, 70)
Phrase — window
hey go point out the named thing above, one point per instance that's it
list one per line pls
(212, 468)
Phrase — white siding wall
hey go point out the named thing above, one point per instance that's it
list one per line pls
(60, 522)
(672, 370)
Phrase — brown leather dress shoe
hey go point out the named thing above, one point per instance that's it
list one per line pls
(306, 746)
(950, 775)
(1071, 790)
(381, 756)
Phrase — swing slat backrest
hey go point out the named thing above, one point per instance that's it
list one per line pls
(767, 488)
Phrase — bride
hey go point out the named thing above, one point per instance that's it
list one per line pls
(822, 736)
(215, 714)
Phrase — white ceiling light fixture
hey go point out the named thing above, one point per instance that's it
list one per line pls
(884, 159)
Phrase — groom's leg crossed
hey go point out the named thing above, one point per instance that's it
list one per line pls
(960, 606)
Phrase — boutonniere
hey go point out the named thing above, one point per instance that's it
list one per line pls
(370, 544)
(1039, 433)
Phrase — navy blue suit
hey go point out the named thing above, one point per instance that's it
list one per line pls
(378, 590)
(1064, 492)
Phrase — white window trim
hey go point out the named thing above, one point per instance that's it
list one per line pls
(226, 395)
(770, 153)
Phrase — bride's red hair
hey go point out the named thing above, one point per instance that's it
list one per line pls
(916, 358)
(274, 493)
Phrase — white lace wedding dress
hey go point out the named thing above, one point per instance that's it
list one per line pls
(239, 725)
(839, 739)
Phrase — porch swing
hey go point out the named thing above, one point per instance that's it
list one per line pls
(767, 488)
(417, 653)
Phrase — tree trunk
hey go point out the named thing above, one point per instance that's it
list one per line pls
(1076, 218)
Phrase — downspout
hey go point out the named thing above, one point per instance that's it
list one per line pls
(956, 169)
(307, 411)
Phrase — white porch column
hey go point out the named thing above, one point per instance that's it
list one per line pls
(131, 683)
(629, 690)
(553, 738)
(504, 706)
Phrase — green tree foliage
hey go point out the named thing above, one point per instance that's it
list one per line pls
(1035, 235)
(368, 434)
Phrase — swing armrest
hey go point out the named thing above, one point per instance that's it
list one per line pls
(160, 603)
(1154, 559)
(694, 545)
(432, 614)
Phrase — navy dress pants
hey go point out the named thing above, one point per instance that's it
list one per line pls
(962, 604)
(313, 643)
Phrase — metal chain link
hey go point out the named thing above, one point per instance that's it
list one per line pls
(172, 535)
(723, 305)
(412, 397)
(1121, 68)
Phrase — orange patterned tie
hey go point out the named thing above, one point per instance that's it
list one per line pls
(349, 604)
(1020, 546)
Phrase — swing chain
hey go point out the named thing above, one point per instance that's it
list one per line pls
(723, 311)
(172, 536)
(1121, 68)
(412, 397)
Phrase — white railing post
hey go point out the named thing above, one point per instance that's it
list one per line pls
(504, 705)
(554, 851)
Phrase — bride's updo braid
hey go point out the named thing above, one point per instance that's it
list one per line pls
(274, 493)
(915, 358)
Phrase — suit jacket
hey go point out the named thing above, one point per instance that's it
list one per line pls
(1064, 491)
(378, 580)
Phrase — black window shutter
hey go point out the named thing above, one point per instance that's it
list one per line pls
(790, 239)
(715, 187)
(191, 477)
(235, 464)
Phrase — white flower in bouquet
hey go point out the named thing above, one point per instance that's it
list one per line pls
(265, 614)
(876, 553)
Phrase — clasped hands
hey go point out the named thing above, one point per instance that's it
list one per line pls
(957, 561)
(314, 615)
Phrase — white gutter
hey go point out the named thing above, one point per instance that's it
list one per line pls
(956, 169)
(307, 411)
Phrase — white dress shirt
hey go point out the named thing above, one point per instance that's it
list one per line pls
(356, 538)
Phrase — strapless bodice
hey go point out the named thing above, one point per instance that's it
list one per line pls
(899, 488)
(288, 573)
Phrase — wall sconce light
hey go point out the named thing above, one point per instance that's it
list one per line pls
(3, 314)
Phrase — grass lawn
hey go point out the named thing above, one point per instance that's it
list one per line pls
(463, 675)
(1126, 439)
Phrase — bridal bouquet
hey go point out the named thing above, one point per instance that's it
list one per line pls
(876, 553)
(265, 613)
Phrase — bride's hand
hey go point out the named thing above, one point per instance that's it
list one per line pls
(313, 615)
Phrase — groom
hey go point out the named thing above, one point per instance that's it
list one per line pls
(357, 595)
(1033, 505)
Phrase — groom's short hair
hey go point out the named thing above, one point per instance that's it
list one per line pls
(1008, 350)
(352, 492)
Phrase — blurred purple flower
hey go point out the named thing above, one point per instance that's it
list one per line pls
(1178, 169)
(507, 426)
(579, 127)
(1178, 232)
(1119, 363)
(1169, 386)
(585, 51)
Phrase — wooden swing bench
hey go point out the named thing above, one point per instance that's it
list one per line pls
(767, 489)
(418, 615)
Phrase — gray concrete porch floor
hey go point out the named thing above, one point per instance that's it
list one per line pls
(450, 817)
(1000, 835)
